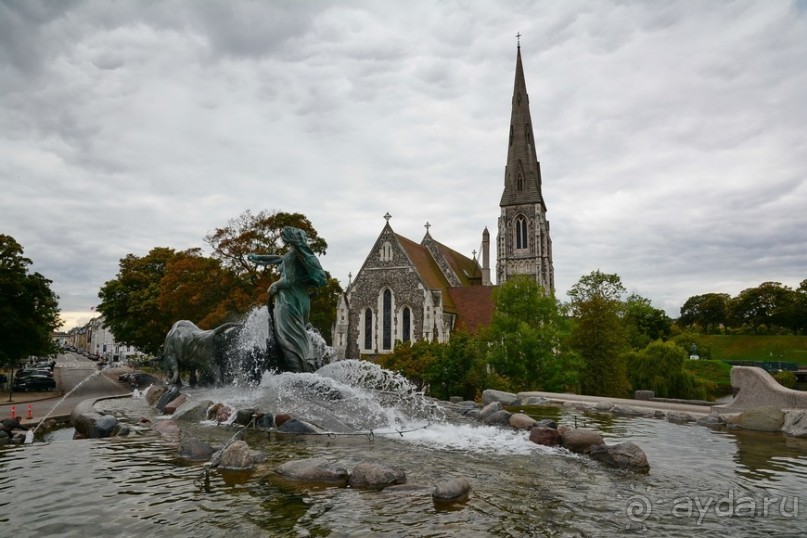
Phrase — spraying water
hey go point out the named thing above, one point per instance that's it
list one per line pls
(30, 438)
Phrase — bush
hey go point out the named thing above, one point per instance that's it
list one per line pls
(785, 378)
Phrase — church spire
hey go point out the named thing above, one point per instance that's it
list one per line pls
(522, 175)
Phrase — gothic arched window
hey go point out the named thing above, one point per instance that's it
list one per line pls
(521, 233)
(387, 319)
(368, 329)
(520, 182)
(407, 324)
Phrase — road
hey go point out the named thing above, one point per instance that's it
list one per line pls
(77, 379)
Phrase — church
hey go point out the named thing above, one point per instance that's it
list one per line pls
(408, 291)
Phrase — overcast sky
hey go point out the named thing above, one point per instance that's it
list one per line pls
(672, 136)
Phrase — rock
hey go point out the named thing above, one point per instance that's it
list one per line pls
(265, 421)
(193, 449)
(535, 400)
(455, 399)
(166, 397)
(795, 423)
(489, 409)
(603, 406)
(317, 470)
(192, 411)
(545, 436)
(280, 418)
(167, 428)
(243, 417)
(627, 411)
(679, 417)
(499, 418)
(626, 456)
(644, 395)
(547, 423)
(154, 393)
(711, 421)
(504, 398)
(450, 491)
(235, 456)
(766, 419)
(172, 406)
(90, 424)
(213, 410)
(521, 421)
(297, 426)
(474, 413)
(581, 440)
(376, 475)
(223, 414)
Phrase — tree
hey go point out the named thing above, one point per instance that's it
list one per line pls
(130, 303)
(261, 234)
(761, 306)
(660, 367)
(525, 340)
(710, 311)
(644, 322)
(29, 310)
(599, 334)
(258, 234)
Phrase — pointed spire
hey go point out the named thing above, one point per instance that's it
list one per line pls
(522, 181)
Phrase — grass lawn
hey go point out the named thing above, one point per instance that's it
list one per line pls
(756, 348)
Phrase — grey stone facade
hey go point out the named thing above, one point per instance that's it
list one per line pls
(523, 245)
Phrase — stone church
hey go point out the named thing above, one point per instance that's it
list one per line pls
(408, 291)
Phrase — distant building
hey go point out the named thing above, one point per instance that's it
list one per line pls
(407, 291)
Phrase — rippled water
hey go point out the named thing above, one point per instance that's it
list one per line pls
(137, 487)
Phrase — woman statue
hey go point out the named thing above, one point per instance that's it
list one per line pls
(299, 270)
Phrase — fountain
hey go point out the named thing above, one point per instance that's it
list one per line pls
(29, 436)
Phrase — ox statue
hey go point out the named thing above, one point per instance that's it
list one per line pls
(188, 346)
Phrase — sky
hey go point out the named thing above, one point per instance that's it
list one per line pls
(672, 135)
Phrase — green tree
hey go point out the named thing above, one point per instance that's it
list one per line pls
(525, 341)
(660, 367)
(458, 370)
(710, 311)
(761, 306)
(29, 310)
(599, 334)
(644, 322)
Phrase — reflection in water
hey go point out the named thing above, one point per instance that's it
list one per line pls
(766, 456)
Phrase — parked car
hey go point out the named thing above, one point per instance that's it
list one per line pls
(34, 382)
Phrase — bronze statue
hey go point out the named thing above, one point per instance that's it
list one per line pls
(299, 270)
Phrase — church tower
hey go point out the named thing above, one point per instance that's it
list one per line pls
(523, 243)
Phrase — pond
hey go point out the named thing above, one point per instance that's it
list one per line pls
(702, 481)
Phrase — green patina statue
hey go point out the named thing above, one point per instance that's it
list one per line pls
(299, 270)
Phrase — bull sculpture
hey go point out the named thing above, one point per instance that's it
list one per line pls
(200, 351)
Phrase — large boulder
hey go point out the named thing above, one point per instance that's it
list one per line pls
(545, 436)
(90, 424)
(174, 404)
(236, 456)
(795, 423)
(766, 418)
(581, 440)
(626, 456)
(166, 397)
(505, 398)
(489, 409)
(499, 418)
(192, 411)
(315, 470)
(375, 475)
(193, 449)
(522, 421)
(451, 491)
